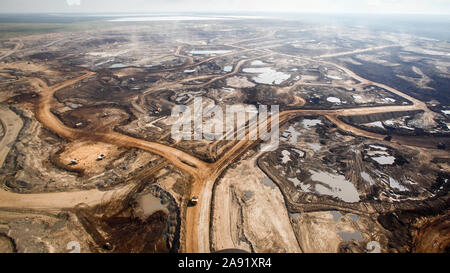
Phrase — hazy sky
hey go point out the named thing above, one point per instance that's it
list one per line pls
(350, 6)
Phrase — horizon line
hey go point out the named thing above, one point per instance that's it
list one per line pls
(222, 12)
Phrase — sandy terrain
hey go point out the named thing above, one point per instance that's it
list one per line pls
(12, 125)
(318, 232)
(253, 221)
(87, 153)
(250, 212)
(60, 200)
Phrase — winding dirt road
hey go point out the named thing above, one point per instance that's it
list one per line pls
(204, 175)
(197, 220)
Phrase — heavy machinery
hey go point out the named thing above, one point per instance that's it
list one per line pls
(194, 201)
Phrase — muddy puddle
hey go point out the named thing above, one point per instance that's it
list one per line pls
(336, 186)
(151, 204)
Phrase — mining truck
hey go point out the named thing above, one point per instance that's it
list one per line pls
(194, 201)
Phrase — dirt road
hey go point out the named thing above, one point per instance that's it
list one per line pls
(197, 220)
(60, 200)
(65, 200)
(180, 159)
(204, 175)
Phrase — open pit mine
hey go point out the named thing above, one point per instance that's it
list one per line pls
(88, 162)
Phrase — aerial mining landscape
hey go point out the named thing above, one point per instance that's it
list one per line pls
(88, 161)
